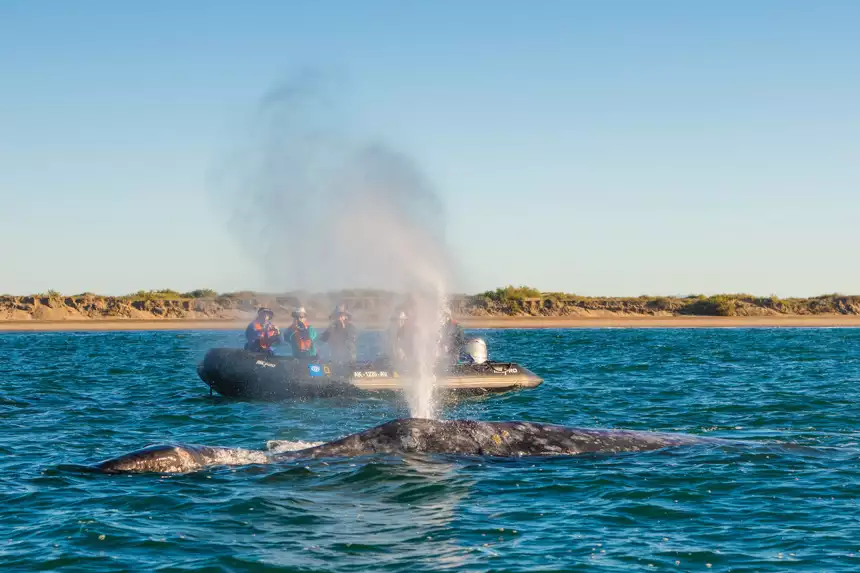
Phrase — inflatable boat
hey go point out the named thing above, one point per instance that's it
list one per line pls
(241, 374)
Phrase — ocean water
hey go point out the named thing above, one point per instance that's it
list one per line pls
(785, 498)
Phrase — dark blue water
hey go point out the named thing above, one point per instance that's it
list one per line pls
(79, 398)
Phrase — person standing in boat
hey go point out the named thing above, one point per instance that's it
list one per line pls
(453, 339)
(261, 334)
(402, 341)
(341, 336)
(301, 336)
(452, 342)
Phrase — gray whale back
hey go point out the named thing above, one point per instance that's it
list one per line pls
(415, 435)
(502, 439)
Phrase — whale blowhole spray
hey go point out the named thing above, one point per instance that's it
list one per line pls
(319, 209)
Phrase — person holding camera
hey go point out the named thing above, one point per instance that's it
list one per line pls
(301, 336)
(261, 334)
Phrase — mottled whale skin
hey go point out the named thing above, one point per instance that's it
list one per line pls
(501, 439)
(416, 435)
(180, 458)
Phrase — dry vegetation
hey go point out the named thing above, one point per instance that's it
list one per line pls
(512, 301)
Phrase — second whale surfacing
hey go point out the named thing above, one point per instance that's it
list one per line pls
(180, 458)
(415, 435)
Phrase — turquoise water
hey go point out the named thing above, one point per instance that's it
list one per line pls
(761, 506)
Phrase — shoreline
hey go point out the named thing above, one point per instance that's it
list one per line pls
(495, 322)
(791, 321)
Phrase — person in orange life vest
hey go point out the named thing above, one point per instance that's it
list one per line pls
(301, 335)
(261, 334)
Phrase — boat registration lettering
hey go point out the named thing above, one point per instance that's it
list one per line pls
(266, 364)
(512, 371)
(380, 374)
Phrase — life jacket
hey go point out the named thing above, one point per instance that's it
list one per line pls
(301, 339)
(266, 334)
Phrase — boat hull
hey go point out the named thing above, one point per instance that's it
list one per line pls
(241, 374)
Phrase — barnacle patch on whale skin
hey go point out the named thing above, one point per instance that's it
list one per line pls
(497, 439)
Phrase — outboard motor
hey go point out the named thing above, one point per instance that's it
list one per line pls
(476, 348)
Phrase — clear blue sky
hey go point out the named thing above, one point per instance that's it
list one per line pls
(617, 148)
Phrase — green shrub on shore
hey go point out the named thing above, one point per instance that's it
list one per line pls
(511, 293)
(720, 305)
(170, 294)
(200, 293)
(663, 303)
(162, 294)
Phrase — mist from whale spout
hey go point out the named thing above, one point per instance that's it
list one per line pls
(427, 314)
(320, 210)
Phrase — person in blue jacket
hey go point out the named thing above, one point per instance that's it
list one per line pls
(261, 334)
(301, 336)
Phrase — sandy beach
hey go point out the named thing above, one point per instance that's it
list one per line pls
(797, 321)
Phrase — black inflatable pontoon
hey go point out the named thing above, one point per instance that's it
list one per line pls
(241, 374)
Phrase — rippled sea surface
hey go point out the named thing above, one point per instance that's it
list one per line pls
(785, 499)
